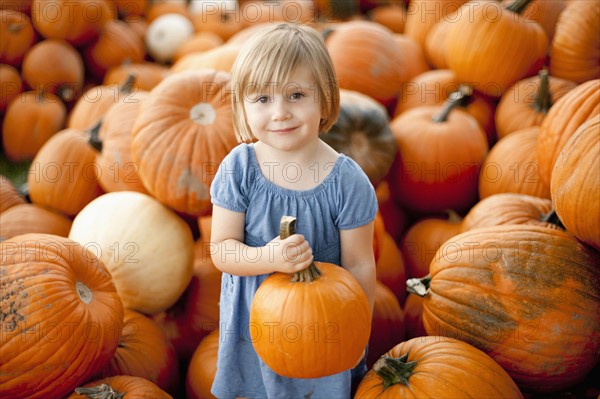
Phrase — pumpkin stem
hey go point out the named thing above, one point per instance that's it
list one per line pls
(127, 86)
(419, 286)
(454, 99)
(394, 370)
(23, 190)
(552, 217)
(287, 227)
(518, 6)
(15, 27)
(94, 140)
(67, 93)
(453, 216)
(543, 99)
(103, 391)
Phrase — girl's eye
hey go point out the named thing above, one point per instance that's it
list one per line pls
(297, 96)
(262, 99)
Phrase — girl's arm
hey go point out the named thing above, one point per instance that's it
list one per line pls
(358, 258)
(230, 255)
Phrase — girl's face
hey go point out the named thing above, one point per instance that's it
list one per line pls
(287, 115)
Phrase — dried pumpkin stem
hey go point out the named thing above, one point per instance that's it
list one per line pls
(454, 99)
(127, 86)
(552, 217)
(287, 227)
(419, 286)
(103, 391)
(518, 6)
(394, 370)
(543, 99)
(94, 140)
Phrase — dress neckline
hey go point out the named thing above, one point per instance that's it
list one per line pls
(288, 191)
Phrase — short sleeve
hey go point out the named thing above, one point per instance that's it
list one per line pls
(229, 186)
(356, 195)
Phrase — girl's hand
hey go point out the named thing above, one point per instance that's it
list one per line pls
(290, 255)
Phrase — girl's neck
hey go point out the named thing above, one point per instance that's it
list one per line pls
(307, 155)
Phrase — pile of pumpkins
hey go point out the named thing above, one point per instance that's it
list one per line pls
(478, 123)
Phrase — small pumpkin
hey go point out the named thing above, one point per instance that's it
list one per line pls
(563, 119)
(389, 266)
(321, 298)
(220, 58)
(362, 131)
(121, 386)
(30, 218)
(147, 75)
(387, 325)
(150, 270)
(512, 166)
(423, 15)
(165, 34)
(575, 183)
(436, 367)
(30, 121)
(9, 195)
(510, 208)
(145, 352)
(201, 41)
(537, 290)
(11, 85)
(392, 16)
(203, 368)
(414, 62)
(16, 36)
(65, 78)
(61, 309)
(413, 316)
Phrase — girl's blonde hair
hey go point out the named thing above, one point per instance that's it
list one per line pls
(270, 56)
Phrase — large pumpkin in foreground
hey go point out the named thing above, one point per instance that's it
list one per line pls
(61, 316)
(436, 367)
(313, 324)
(528, 296)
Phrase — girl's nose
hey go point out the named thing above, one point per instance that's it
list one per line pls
(280, 111)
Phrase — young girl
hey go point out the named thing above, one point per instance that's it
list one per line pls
(285, 94)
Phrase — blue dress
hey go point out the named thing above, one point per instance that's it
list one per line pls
(345, 199)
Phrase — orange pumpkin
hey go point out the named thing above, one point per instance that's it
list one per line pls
(423, 239)
(507, 48)
(121, 386)
(117, 171)
(118, 42)
(563, 119)
(575, 184)
(526, 103)
(128, 8)
(413, 61)
(30, 121)
(61, 309)
(189, 110)
(9, 195)
(10, 85)
(413, 316)
(512, 166)
(389, 267)
(392, 16)
(147, 75)
(509, 208)
(366, 59)
(63, 174)
(65, 78)
(203, 368)
(144, 352)
(538, 292)
(422, 15)
(546, 13)
(30, 218)
(316, 301)
(440, 152)
(76, 21)
(220, 58)
(362, 131)
(201, 41)
(387, 325)
(574, 50)
(16, 36)
(436, 367)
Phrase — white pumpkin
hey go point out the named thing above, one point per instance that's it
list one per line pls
(165, 34)
(147, 248)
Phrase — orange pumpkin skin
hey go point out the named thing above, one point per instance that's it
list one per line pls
(508, 208)
(387, 326)
(539, 294)
(9, 196)
(508, 46)
(512, 166)
(573, 52)
(575, 184)
(322, 330)
(189, 110)
(203, 368)
(11, 85)
(147, 75)
(440, 367)
(59, 307)
(563, 119)
(130, 386)
(145, 352)
(16, 36)
(30, 218)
